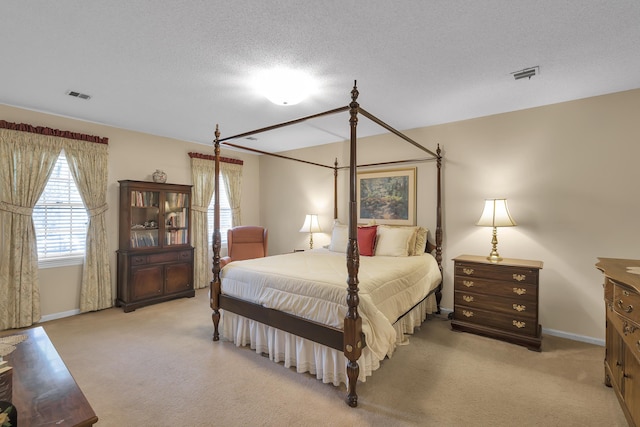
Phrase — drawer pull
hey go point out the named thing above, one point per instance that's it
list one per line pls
(628, 329)
(467, 313)
(467, 298)
(468, 283)
(629, 308)
(519, 277)
(519, 324)
(518, 307)
(519, 291)
(625, 293)
(468, 271)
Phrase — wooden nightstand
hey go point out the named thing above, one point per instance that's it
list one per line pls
(498, 300)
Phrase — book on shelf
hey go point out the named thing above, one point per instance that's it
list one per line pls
(141, 239)
(144, 199)
(177, 237)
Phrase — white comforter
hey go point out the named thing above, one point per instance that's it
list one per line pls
(313, 284)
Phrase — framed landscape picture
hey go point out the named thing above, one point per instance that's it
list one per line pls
(387, 197)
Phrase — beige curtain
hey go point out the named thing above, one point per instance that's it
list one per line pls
(232, 174)
(27, 162)
(202, 177)
(88, 165)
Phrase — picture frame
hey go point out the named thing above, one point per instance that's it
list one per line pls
(387, 197)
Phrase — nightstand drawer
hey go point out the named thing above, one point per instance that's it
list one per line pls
(516, 324)
(507, 273)
(520, 291)
(510, 306)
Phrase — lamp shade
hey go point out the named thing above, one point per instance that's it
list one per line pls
(496, 214)
(311, 224)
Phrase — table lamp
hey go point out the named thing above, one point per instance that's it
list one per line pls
(311, 226)
(495, 214)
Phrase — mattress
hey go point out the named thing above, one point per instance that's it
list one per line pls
(313, 285)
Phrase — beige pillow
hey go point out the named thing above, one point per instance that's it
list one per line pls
(421, 241)
(394, 241)
(339, 238)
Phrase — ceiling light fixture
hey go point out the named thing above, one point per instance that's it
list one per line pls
(284, 86)
(526, 73)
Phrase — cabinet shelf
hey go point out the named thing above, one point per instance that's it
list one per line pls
(155, 257)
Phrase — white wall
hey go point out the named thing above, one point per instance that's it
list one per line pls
(135, 156)
(568, 170)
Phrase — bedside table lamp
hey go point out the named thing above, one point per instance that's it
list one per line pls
(311, 226)
(495, 214)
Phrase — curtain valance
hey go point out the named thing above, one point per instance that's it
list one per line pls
(23, 127)
(212, 157)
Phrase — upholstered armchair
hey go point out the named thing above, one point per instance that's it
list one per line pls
(245, 242)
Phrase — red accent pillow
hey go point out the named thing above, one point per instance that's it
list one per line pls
(367, 240)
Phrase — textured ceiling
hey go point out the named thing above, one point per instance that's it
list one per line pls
(178, 68)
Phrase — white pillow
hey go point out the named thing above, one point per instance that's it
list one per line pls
(394, 241)
(339, 238)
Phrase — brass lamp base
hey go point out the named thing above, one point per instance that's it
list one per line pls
(494, 256)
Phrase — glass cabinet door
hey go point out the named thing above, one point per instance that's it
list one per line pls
(176, 218)
(144, 218)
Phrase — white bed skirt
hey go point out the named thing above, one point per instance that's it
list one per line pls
(327, 364)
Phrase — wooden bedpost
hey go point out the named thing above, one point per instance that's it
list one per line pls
(335, 189)
(353, 321)
(215, 289)
(439, 226)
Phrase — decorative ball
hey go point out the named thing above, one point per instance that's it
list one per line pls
(159, 176)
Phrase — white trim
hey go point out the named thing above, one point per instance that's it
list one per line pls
(55, 316)
(574, 337)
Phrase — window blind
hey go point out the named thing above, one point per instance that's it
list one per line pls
(60, 218)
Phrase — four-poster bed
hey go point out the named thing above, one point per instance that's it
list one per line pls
(347, 337)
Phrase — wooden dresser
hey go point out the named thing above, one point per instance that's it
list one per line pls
(622, 356)
(498, 300)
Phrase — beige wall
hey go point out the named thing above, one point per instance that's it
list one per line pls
(568, 170)
(132, 155)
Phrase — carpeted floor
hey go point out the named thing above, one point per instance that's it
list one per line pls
(157, 366)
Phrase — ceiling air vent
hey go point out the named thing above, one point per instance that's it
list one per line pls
(78, 95)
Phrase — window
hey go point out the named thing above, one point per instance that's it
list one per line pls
(225, 217)
(60, 219)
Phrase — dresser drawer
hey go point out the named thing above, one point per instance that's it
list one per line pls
(138, 260)
(511, 306)
(519, 291)
(507, 273)
(515, 324)
(626, 302)
(163, 257)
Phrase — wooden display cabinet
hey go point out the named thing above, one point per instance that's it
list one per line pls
(155, 257)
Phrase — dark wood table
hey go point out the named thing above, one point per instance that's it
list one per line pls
(44, 392)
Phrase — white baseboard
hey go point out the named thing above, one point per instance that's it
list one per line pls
(573, 337)
(55, 316)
